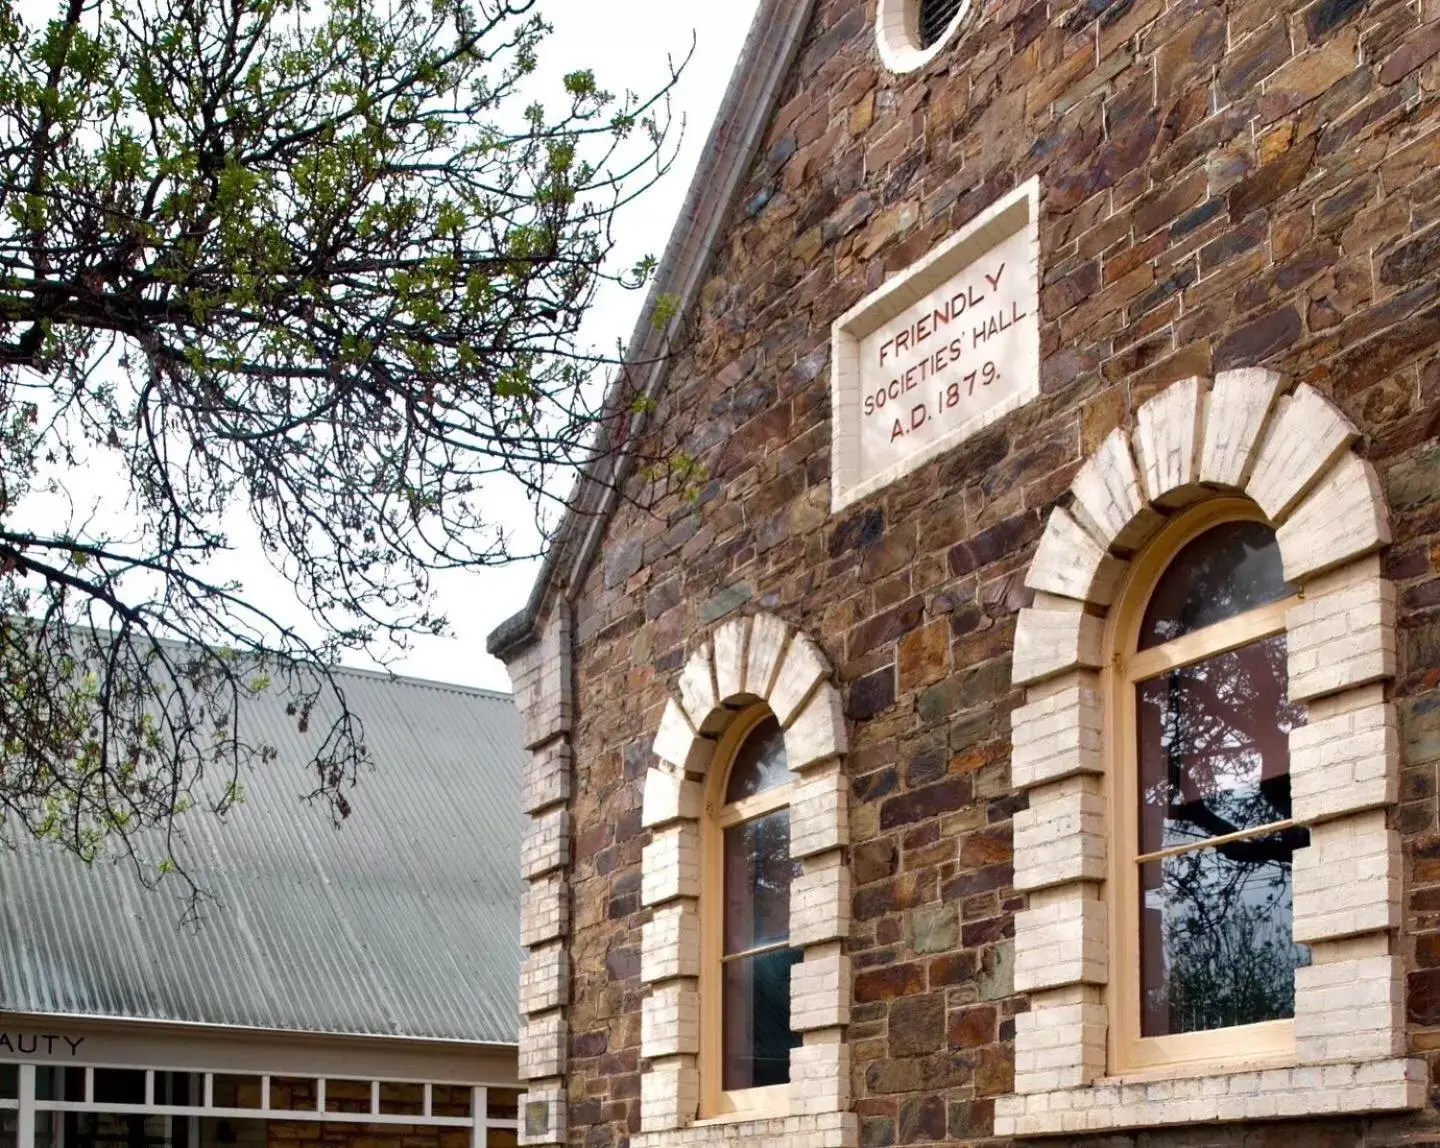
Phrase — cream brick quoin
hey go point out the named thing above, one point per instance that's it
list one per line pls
(756, 658)
(1291, 455)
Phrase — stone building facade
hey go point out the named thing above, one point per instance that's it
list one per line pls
(1233, 212)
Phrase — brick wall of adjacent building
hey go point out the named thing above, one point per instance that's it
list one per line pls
(1225, 184)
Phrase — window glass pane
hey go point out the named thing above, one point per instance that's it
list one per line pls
(758, 872)
(758, 1039)
(502, 1103)
(9, 1081)
(760, 764)
(1226, 571)
(1213, 746)
(1216, 945)
(115, 1085)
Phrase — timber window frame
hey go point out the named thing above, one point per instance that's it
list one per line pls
(748, 668)
(1288, 454)
(1126, 667)
(715, 894)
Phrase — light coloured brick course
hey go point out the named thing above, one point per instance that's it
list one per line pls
(820, 901)
(1346, 762)
(670, 864)
(544, 910)
(728, 651)
(677, 743)
(1305, 437)
(1108, 499)
(542, 1046)
(544, 979)
(762, 658)
(546, 779)
(540, 676)
(1061, 941)
(669, 1094)
(819, 814)
(1342, 519)
(670, 1020)
(803, 669)
(668, 797)
(1347, 881)
(1167, 440)
(697, 693)
(1061, 836)
(1050, 641)
(1058, 733)
(1060, 1042)
(670, 942)
(827, 1130)
(820, 989)
(818, 734)
(1341, 638)
(1069, 562)
(545, 844)
(820, 1074)
(1235, 414)
(1214, 1096)
(1350, 1010)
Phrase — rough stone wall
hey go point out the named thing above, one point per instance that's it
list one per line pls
(1225, 184)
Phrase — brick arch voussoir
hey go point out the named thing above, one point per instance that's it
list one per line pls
(1291, 453)
(757, 657)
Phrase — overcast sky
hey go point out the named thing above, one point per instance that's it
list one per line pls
(626, 43)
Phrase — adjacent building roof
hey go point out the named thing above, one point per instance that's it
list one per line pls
(402, 921)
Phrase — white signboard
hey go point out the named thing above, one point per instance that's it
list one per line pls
(939, 352)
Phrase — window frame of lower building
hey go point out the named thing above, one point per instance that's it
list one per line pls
(716, 1102)
(1259, 1044)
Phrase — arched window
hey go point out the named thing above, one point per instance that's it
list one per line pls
(1203, 959)
(745, 921)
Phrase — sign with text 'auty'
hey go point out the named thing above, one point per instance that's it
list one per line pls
(939, 352)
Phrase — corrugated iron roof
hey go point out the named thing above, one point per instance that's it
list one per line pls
(402, 921)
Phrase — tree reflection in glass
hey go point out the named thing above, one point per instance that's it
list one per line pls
(757, 958)
(1228, 570)
(1215, 843)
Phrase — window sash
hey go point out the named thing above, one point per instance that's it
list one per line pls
(1242, 1046)
(1221, 638)
(718, 1105)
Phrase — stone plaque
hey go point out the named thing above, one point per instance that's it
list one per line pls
(939, 352)
(537, 1118)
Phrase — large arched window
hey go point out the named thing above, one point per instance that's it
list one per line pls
(746, 1036)
(1203, 959)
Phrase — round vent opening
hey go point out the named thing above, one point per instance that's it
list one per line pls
(911, 33)
(936, 16)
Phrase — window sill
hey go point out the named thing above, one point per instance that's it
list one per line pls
(1202, 1096)
(821, 1130)
(779, 1112)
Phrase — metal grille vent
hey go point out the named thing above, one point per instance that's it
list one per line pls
(935, 17)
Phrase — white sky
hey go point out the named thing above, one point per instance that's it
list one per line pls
(626, 43)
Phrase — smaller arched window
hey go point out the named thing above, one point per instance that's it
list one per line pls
(1204, 956)
(745, 921)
